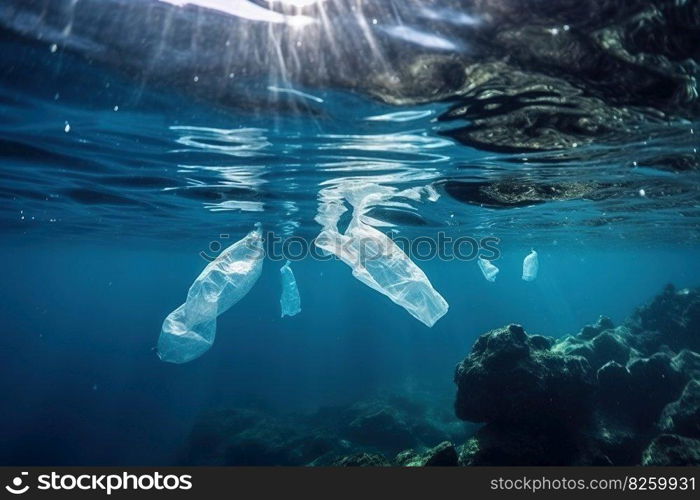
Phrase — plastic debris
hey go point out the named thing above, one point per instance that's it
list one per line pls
(375, 259)
(190, 329)
(530, 266)
(290, 301)
(488, 269)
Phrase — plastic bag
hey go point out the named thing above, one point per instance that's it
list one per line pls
(190, 329)
(290, 302)
(375, 259)
(488, 269)
(530, 266)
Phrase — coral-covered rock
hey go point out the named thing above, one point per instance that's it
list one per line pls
(511, 377)
(671, 449)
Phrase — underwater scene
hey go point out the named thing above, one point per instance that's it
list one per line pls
(350, 232)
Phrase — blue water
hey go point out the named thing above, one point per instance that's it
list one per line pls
(111, 190)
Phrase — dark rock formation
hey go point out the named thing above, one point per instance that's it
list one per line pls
(672, 319)
(508, 193)
(354, 435)
(671, 449)
(511, 377)
(596, 398)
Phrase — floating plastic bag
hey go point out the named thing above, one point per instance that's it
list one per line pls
(530, 266)
(488, 269)
(375, 259)
(290, 300)
(190, 329)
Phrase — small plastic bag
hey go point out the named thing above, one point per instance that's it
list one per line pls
(488, 269)
(530, 266)
(290, 302)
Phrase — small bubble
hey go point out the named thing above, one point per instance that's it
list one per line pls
(66, 129)
(642, 192)
(196, 78)
(116, 108)
(231, 75)
(374, 21)
(53, 48)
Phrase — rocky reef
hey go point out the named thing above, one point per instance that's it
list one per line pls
(361, 434)
(607, 396)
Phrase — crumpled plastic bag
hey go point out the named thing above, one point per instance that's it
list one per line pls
(488, 269)
(290, 302)
(190, 329)
(378, 262)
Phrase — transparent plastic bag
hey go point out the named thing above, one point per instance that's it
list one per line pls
(290, 301)
(190, 329)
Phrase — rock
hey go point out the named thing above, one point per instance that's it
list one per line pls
(509, 377)
(504, 444)
(653, 384)
(543, 406)
(671, 318)
(671, 449)
(514, 192)
(590, 331)
(362, 460)
(383, 429)
(613, 386)
(442, 455)
(409, 458)
(605, 346)
(683, 416)
(688, 363)
(636, 394)
(611, 442)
